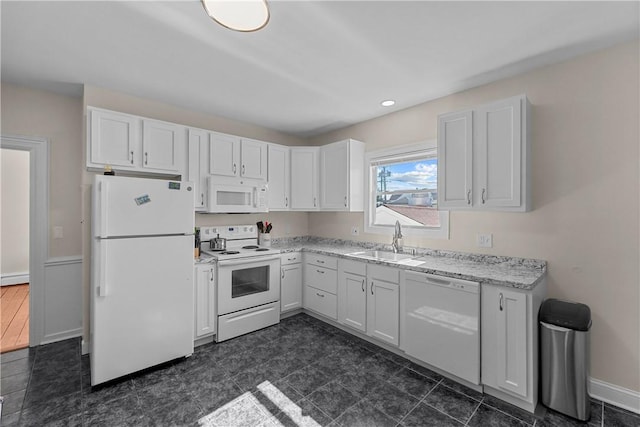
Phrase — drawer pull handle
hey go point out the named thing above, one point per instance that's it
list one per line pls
(320, 295)
(483, 199)
(146, 158)
(319, 261)
(501, 299)
(371, 288)
(282, 273)
(469, 197)
(291, 259)
(320, 271)
(132, 157)
(362, 285)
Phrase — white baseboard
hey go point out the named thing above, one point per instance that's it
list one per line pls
(60, 336)
(15, 278)
(615, 395)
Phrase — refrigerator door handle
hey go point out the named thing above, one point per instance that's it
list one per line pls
(104, 192)
(102, 284)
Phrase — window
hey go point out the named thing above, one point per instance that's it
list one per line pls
(403, 186)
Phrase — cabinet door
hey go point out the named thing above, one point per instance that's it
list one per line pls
(383, 311)
(304, 178)
(278, 177)
(352, 301)
(114, 139)
(334, 176)
(512, 341)
(455, 157)
(504, 339)
(498, 143)
(162, 144)
(224, 154)
(254, 159)
(198, 145)
(205, 303)
(291, 287)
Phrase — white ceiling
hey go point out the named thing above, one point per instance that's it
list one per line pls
(317, 66)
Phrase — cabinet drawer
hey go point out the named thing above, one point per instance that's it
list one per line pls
(321, 302)
(290, 258)
(321, 278)
(354, 267)
(321, 260)
(388, 274)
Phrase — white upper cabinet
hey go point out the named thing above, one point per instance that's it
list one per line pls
(240, 157)
(253, 156)
(114, 139)
(135, 144)
(304, 178)
(198, 154)
(161, 145)
(224, 154)
(279, 172)
(342, 176)
(483, 157)
(454, 159)
(499, 147)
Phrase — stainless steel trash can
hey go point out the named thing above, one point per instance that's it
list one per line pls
(564, 357)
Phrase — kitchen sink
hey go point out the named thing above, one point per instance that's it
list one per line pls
(382, 256)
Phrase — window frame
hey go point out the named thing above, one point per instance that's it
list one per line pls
(427, 147)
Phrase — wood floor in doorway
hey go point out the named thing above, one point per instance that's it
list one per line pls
(14, 306)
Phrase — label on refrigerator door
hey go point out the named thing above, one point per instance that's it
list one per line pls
(142, 199)
(174, 185)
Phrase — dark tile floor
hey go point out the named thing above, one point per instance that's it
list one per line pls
(301, 372)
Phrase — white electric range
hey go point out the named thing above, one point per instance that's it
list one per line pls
(248, 285)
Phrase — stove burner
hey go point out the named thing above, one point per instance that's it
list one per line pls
(229, 252)
(216, 250)
(262, 249)
(250, 247)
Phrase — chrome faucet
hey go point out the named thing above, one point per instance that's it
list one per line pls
(397, 234)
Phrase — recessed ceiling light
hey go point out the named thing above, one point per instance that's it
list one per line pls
(238, 15)
(388, 103)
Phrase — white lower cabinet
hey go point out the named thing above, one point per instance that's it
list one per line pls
(383, 310)
(352, 294)
(205, 300)
(291, 281)
(320, 285)
(510, 343)
(369, 299)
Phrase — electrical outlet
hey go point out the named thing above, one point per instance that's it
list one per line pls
(484, 240)
(355, 231)
(57, 232)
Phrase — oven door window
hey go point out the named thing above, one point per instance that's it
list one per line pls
(249, 281)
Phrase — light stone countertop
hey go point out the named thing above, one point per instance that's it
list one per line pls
(521, 273)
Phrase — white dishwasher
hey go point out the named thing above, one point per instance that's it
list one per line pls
(441, 321)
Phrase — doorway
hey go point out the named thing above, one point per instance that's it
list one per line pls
(36, 239)
(14, 263)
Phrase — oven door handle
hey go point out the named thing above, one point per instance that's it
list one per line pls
(247, 260)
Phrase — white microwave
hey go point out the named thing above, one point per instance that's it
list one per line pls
(237, 197)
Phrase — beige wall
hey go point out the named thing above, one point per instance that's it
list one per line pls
(585, 221)
(14, 255)
(33, 112)
(586, 193)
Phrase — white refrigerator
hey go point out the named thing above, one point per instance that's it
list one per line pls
(141, 274)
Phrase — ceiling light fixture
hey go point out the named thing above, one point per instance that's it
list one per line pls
(238, 15)
(388, 103)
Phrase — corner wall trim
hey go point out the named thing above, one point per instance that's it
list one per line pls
(615, 395)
